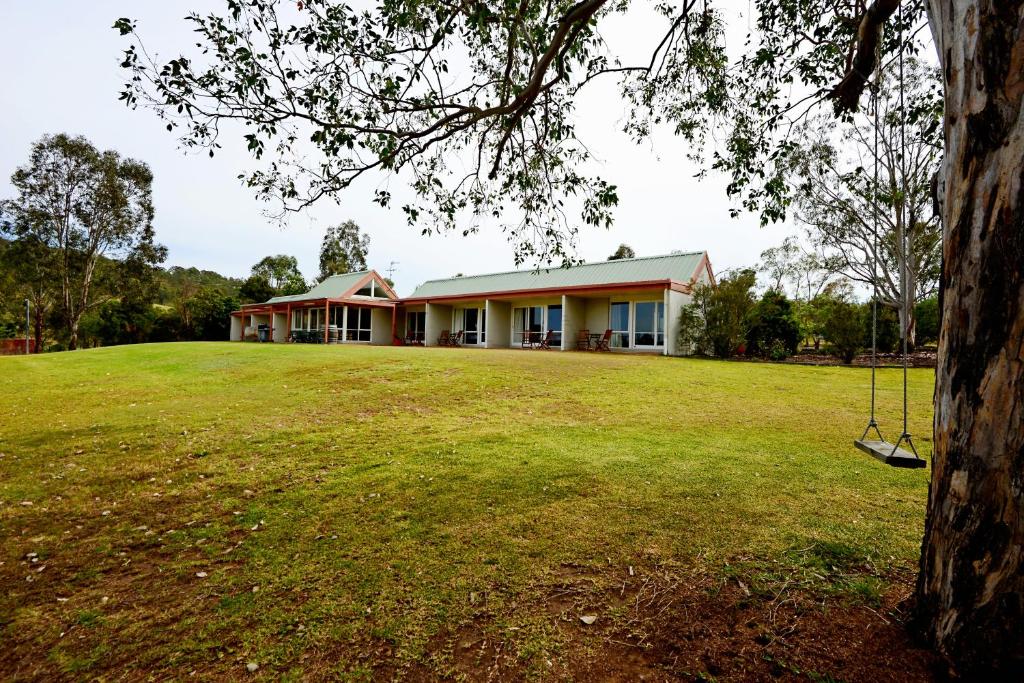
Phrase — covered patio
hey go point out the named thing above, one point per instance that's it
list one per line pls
(358, 308)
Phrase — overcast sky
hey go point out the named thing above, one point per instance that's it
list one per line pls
(61, 74)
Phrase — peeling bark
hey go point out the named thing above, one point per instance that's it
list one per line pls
(970, 592)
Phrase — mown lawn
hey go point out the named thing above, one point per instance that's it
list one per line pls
(399, 512)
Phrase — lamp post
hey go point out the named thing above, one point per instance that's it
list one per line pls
(28, 325)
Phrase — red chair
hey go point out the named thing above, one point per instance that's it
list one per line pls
(456, 339)
(603, 342)
(545, 343)
(445, 339)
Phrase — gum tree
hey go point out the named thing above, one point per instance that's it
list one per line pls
(474, 106)
(82, 206)
(839, 204)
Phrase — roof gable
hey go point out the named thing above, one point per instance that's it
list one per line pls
(336, 287)
(681, 267)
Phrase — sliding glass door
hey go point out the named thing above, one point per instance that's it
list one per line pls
(639, 324)
(357, 321)
(555, 325)
(416, 325)
(470, 325)
(531, 319)
(649, 324)
(620, 325)
(473, 323)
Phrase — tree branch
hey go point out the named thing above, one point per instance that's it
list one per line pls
(846, 95)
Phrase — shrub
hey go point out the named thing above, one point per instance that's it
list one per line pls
(888, 339)
(692, 331)
(210, 314)
(844, 328)
(927, 319)
(715, 323)
(772, 330)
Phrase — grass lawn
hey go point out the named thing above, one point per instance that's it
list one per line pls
(415, 513)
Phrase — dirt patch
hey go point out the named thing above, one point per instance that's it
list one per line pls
(663, 628)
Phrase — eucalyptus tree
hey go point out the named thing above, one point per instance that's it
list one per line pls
(278, 270)
(84, 208)
(624, 251)
(474, 106)
(343, 250)
(863, 190)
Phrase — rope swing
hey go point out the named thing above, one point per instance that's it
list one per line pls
(890, 454)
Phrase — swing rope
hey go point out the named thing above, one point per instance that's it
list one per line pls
(890, 454)
(904, 241)
(872, 423)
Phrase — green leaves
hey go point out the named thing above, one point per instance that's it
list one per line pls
(124, 26)
(474, 105)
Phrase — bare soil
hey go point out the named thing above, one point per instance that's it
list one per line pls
(671, 629)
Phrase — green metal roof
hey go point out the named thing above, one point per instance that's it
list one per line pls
(679, 267)
(331, 288)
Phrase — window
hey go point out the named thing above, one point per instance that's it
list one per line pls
(337, 316)
(620, 324)
(314, 318)
(555, 324)
(527, 319)
(372, 289)
(357, 327)
(472, 321)
(649, 323)
(416, 325)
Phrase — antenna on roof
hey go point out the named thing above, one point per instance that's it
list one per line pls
(392, 267)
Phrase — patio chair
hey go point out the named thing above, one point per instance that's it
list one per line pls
(445, 339)
(456, 339)
(602, 343)
(545, 342)
(583, 340)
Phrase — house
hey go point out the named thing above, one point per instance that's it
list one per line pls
(637, 299)
(357, 307)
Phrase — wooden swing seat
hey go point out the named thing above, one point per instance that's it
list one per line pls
(889, 454)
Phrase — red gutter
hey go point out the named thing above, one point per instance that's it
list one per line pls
(512, 293)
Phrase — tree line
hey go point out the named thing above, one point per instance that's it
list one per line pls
(730, 319)
(77, 241)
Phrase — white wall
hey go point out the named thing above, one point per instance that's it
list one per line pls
(280, 327)
(380, 326)
(439, 318)
(674, 301)
(574, 319)
(237, 322)
(499, 324)
(597, 315)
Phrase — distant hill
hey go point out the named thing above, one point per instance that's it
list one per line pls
(176, 281)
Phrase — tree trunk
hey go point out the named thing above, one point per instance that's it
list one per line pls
(73, 335)
(908, 326)
(970, 592)
(38, 328)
